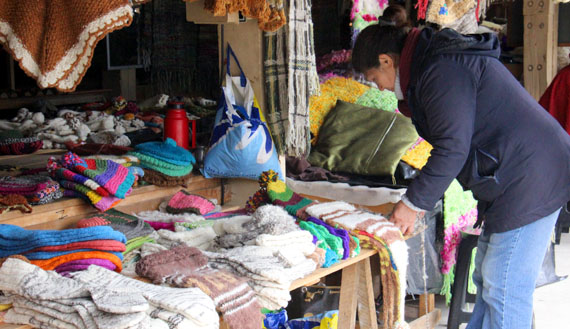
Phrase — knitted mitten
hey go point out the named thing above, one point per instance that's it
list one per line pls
(185, 202)
(181, 260)
(15, 240)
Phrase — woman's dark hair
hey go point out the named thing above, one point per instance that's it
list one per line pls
(386, 37)
(375, 40)
(396, 15)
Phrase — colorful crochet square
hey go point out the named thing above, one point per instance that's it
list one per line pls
(102, 203)
(332, 90)
(18, 146)
(185, 202)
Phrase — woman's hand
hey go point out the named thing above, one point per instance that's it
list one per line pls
(404, 218)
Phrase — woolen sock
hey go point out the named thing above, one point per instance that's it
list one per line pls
(231, 294)
(15, 240)
(159, 216)
(179, 260)
(191, 302)
(37, 320)
(185, 202)
(46, 307)
(300, 240)
(83, 264)
(173, 320)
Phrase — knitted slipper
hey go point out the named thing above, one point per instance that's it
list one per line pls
(19, 146)
(14, 201)
(185, 202)
(131, 226)
(167, 151)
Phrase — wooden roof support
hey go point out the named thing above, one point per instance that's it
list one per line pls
(540, 44)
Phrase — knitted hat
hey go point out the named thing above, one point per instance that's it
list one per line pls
(167, 151)
(183, 202)
(130, 226)
(280, 194)
(19, 146)
(14, 201)
(162, 166)
(39, 189)
(113, 177)
(159, 179)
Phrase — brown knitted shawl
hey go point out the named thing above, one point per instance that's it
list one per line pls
(54, 40)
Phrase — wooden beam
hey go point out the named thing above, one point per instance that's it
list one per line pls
(540, 44)
(428, 299)
(129, 84)
(365, 296)
(429, 320)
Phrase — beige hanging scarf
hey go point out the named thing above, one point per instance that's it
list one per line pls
(54, 40)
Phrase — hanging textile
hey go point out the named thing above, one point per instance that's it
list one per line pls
(365, 13)
(291, 78)
(54, 40)
(169, 47)
(269, 14)
(445, 12)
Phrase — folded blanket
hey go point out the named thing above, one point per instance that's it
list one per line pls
(44, 255)
(52, 263)
(37, 188)
(102, 245)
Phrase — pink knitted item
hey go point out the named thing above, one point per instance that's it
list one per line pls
(184, 202)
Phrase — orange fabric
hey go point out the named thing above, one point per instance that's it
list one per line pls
(54, 40)
(52, 263)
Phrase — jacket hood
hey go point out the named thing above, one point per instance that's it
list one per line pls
(450, 41)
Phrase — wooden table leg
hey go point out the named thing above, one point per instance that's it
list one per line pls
(366, 305)
(348, 296)
(430, 303)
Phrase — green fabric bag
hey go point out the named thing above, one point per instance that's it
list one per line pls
(362, 140)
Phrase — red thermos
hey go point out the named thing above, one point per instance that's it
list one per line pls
(176, 124)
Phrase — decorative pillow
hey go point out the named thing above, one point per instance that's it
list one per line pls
(362, 140)
(332, 90)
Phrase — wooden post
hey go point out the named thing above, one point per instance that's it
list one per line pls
(129, 84)
(430, 304)
(540, 44)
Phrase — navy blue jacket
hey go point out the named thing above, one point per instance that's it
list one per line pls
(487, 132)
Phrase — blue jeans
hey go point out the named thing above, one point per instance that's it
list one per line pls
(506, 268)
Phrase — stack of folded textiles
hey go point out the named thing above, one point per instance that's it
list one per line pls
(99, 298)
(103, 183)
(65, 251)
(37, 189)
(165, 163)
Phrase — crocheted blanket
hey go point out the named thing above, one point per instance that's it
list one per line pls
(54, 40)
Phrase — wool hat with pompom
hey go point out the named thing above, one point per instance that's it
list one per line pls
(167, 151)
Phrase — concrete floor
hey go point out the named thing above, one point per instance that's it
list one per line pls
(551, 302)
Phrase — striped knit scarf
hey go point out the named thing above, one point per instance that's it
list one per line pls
(291, 78)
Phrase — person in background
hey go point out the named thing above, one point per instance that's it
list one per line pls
(490, 134)
(556, 98)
